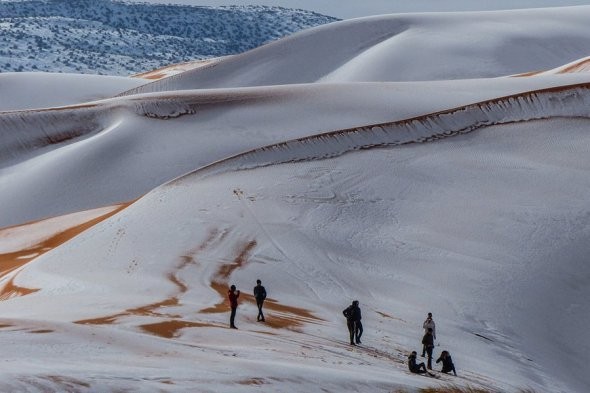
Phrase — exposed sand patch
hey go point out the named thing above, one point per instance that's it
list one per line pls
(252, 381)
(69, 384)
(389, 316)
(148, 310)
(531, 73)
(101, 320)
(170, 329)
(578, 66)
(26, 326)
(10, 290)
(13, 260)
(221, 277)
(175, 69)
(581, 66)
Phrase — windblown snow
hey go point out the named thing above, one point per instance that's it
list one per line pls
(417, 163)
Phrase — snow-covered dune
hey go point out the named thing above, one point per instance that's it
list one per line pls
(469, 227)
(563, 102)
(121, 148)
(579, 65)
(396, 180)
(404, 47)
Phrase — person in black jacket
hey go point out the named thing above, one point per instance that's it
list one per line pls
(353, 322)
(415, 368)
(447, 363)
(428, 342)
(260, 295)
(233, 294)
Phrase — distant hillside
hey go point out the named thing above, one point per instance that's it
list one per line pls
(110, 37)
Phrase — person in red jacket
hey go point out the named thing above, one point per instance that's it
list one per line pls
(233, 296)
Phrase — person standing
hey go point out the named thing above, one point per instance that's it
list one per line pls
(233, 296)
(428, 343)
(353, 322)
(447, 363)
(428, 323)
(358, 325)
(259, 295)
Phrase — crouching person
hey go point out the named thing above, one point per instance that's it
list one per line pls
(447, 363)
(415, 368)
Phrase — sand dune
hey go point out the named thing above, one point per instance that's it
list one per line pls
(581, 65)
(129, 145)
(340, 163)
(562, 102)
(175, 69)
(402, 48)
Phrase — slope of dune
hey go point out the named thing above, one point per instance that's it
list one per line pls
(340, 163)
(579, 65)
(121, 148)
(404, 47)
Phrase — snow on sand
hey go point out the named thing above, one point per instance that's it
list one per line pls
(463, 197)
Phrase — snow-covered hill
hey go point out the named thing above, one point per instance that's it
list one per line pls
(121, 38)
(405, 47)
(332, 170)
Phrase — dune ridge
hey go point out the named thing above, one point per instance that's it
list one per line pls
(567, 101)
(377, 49)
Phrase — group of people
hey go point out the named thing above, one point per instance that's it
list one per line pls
(353, 322)
(355, 330)
(233, 294)
(427, 349)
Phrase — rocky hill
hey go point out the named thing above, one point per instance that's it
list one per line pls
(117, 38)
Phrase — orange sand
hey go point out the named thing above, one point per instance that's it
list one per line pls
(576, 67)
(14, 260)
(169, 329)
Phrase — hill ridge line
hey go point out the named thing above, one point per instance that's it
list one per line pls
(533, 105)
(25, 131)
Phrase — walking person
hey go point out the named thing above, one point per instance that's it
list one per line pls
(429, 323)
(415, 368)
(447, 363)
(353, 322)
(259, 295)
(428, 343)
(233, 296)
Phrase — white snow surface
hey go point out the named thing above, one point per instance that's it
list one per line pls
(30, 90)
(404, 47)
(411, 174)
